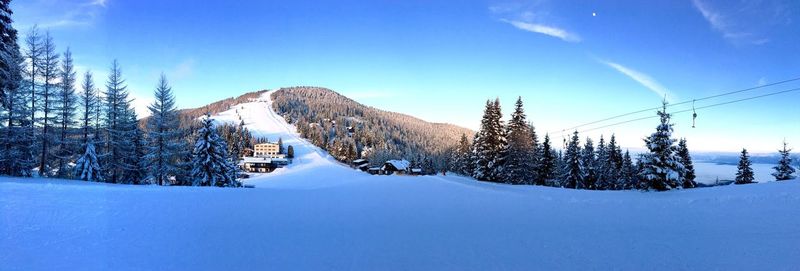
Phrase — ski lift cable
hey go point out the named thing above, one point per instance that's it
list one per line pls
(698, 108)
(679, 103)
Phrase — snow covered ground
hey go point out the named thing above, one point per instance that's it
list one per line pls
(394, 223)
(319, 215)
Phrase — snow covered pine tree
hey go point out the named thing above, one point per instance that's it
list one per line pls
(164, 144)
(87, 167)
(518, 166)
(572, 172)
(784, 170)
(9, 51)
(745, 173)
(210, 163)
(548, 161)
(686, 160)
(661, 168)
(488, 144)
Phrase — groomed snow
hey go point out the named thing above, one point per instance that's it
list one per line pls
(320, 215)
(395, 223)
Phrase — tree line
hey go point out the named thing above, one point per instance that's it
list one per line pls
(349, 130)
(52, 127)
(511, 153)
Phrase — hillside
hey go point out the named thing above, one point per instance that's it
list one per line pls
(346, 128)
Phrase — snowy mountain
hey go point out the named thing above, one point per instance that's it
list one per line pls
(379, 134)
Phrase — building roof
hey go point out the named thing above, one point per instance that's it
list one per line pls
(416, 170)
(399, 164)
(267, 144)
(249, 159)
(359, 161)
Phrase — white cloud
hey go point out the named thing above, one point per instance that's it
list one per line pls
(643, 79)
(546, 30)
(744, 22)
(101, 3)
(69, 14)
(533, 16)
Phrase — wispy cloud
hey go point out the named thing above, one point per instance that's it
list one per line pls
(643, 79)
(743, 22)
(69, 14)
(535, 17)
(546, 30)
(101, 3)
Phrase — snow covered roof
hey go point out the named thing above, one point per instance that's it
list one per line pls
(259, 160)
(416, 170)
(399, 164)
(359, 161)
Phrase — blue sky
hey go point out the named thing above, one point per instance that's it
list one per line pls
(572, 61)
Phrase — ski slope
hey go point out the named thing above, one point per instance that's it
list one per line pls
(310, 161)
(320, 215)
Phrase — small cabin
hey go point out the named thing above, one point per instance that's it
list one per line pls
(396, 167)
(360, 163)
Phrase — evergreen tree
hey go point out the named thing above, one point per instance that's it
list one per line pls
(9, 55)
(210, 166)
(589, 166)
(49, 74)
(33, 57)
(16, 139)
(461, 157)
(136, 172)
(518, 167)
(661, 168)
(65, 109)
(164, 137)
(745, 173)
(280, 145)
(572, 172)
(603, 167)
(627, 174)
(87, 167)
(13, 102)
(547, 163)
(88, 103)
(613, 165)
(686, 160)
(290, 152)
(117, 125)
(784, 170)
(489, 144)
